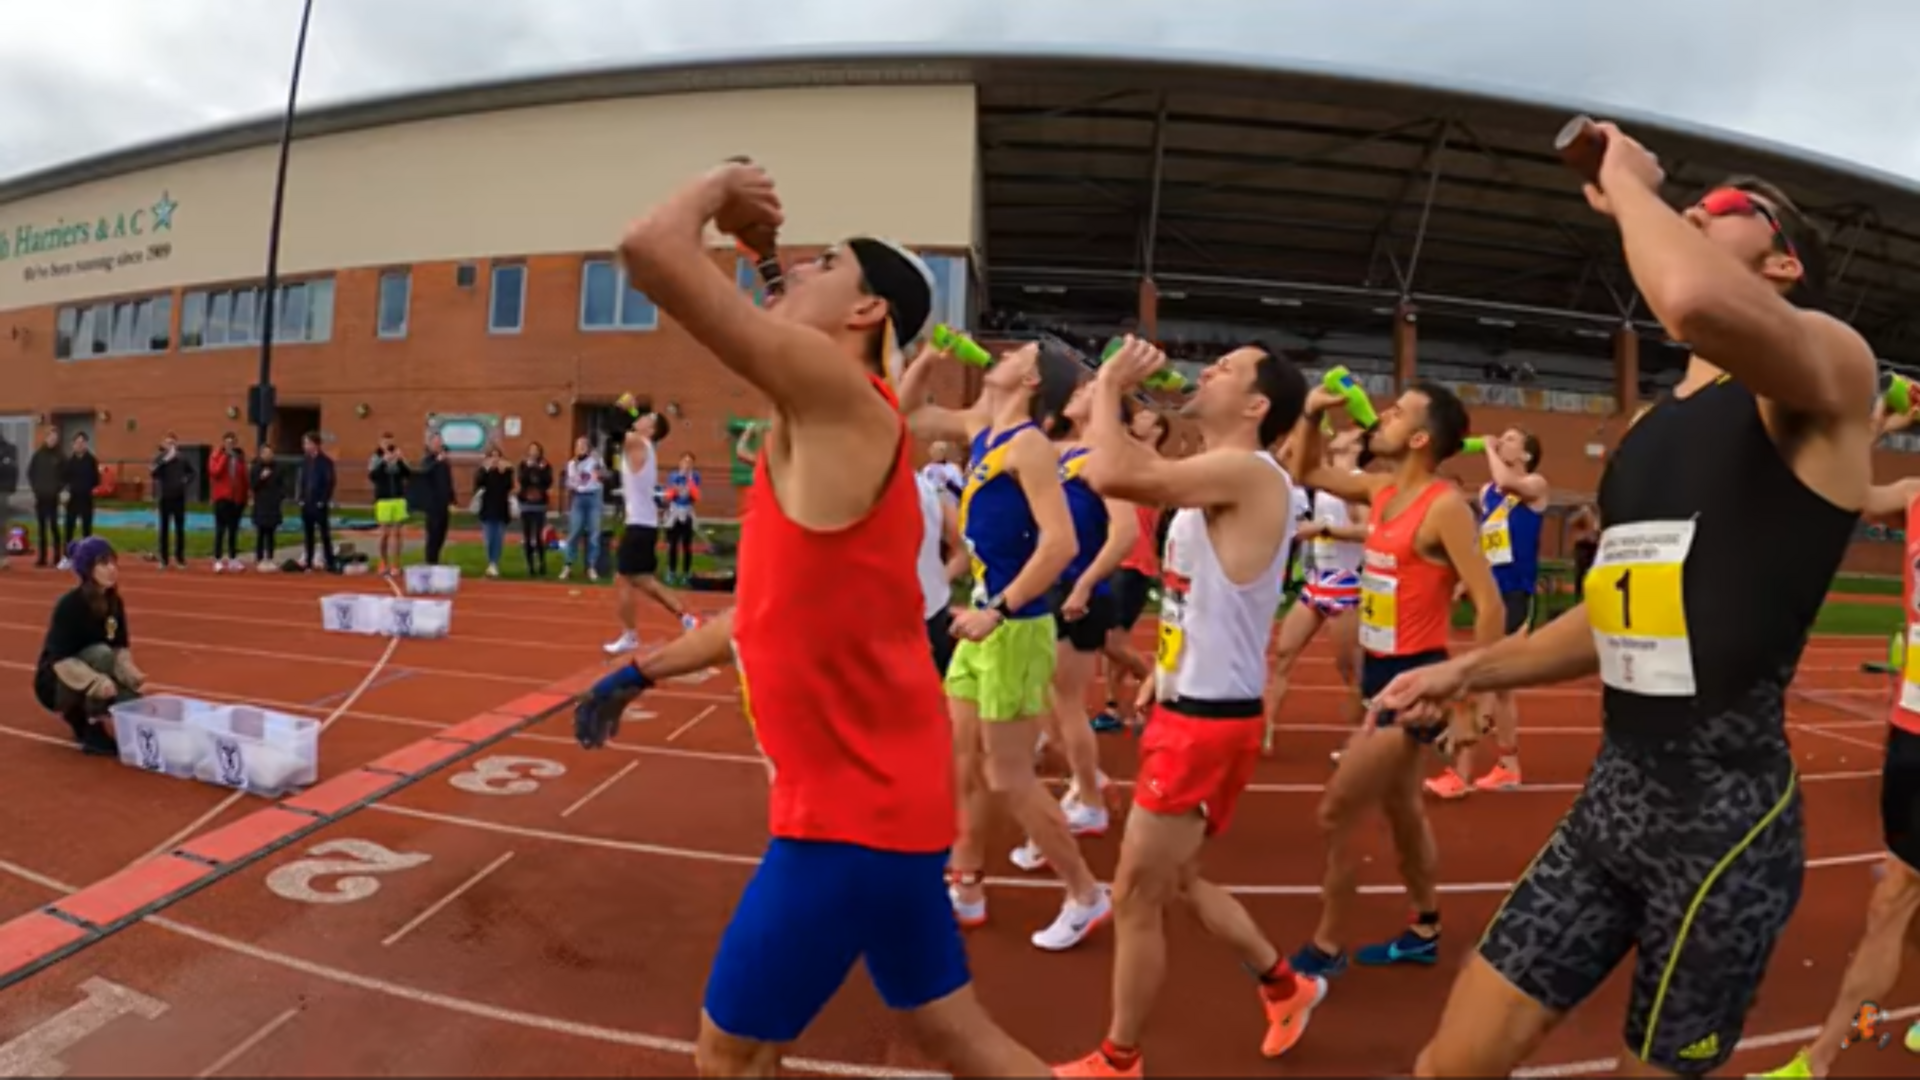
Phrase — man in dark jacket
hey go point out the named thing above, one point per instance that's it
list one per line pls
(80, 477)
(316, 500)
(434, 491)
(9, 480)
(45, 477)
(173, 477)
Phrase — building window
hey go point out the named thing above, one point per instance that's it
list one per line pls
(507, 307)
(396, 293)
(609, 302)
(233, 318)
(140, 326)
(950, 280)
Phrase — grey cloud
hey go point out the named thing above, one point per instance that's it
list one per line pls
(1837, 83)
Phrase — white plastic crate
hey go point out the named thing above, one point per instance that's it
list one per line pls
(257, 751)
(432, 580)
(353, 613)
(418, 618)
(155, 734)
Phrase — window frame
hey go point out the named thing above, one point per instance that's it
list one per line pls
(493, 293)
(622, 289)
(404, 275)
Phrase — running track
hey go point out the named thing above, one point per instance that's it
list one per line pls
(495, 901)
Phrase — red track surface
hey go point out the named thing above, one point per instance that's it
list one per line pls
(561, 918)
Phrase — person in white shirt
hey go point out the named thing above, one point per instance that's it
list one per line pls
(1226, 551)
(939, 568)
(1336, 539)
(586, 480)
(639, 555)
(942, 473)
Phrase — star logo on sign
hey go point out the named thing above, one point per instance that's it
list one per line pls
(163, 212)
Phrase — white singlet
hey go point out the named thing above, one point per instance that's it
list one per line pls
(1325, 554)
(934, 585)
(637, 488)
(1213, 632)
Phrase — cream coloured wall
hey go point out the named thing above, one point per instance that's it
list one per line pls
(894, 161)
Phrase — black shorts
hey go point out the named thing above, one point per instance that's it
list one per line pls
(1694, 867)
(1377, 671)
(940, 640)
(1088, 633)
(639, 554)
(1900, 797)
(1130, 591)
(1519, 606)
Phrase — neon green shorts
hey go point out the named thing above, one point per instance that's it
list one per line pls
(1009, 676)
(390, 511)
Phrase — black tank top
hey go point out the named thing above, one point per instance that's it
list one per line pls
(1764, 553)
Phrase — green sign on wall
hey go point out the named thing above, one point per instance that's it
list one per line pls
(42, 238)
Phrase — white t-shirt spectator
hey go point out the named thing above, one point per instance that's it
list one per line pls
(583, 475)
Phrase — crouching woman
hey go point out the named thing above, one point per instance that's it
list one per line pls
(86, 665)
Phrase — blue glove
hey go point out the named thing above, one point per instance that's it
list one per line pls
(597, 718)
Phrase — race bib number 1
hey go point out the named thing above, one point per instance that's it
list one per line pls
(1635, 604)
(1378, 613)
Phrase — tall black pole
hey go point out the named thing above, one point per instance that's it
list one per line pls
(263, 405)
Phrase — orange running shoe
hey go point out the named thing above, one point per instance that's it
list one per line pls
(1448, 785)
(1096, 1064)
(1498, 778)
(1287, 1019)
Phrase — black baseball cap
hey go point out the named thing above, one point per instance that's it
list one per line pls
(902, 279)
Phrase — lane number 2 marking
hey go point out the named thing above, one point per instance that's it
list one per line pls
(354, 874)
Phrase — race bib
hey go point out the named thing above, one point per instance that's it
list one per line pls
(1496, 543)
(1910, 671)
(1378, 614)
(1173, 637)
(1321, 554)
(1635, 604)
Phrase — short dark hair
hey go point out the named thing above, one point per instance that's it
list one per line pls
(1809, 240)
(1285, 388)
(1447, 420)
(660, 427)
(1530, 443)
(312, 437)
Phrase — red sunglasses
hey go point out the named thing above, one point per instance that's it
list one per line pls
(1732, 202)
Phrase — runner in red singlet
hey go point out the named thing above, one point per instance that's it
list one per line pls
(1132, 586)
(846, 707)
(1875, 967)
(1423, 541)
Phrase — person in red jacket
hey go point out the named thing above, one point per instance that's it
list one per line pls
(227, 472)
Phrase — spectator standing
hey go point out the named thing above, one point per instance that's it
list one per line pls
(80, 477)
(173, 477)
(683, 492)
(586, 495)
(9, 480)
(493, 504)
(434, 490)
(316, 500)
(227, 472)
(536, 494)
(269, 482)
(46, 475)
(390, 474)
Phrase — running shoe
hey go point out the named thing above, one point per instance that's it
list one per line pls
(1408, 948)
(1075, 922)
(1311, 963)
(1499, 778)
(1287, 1018)
(1448, 785)
(623, 644)
(689, 621)
(1799, 1067)
(1106, 723)
(1097, 1064)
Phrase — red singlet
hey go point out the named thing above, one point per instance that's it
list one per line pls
(1145, 556)
(831, 642)
(1905, 713)
(1406, 600)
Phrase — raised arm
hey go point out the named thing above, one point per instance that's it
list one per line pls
(1806, 361)
(1121, 468)
(1529, 487)
(1309, 465)
(799, 368)
(1890, 501)
(937, 423)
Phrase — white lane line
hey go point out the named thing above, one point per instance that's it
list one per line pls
(249, 1043)
(597, 791)
(435, 908)
(689, 725)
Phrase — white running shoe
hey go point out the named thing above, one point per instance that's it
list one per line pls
(1075, 922)
(967, 915)
(1085, 819)
(1028, 857)
(625, 643)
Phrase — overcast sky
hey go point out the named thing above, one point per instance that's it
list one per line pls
(78, 77)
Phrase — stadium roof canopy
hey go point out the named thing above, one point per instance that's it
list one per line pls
(1326, 193)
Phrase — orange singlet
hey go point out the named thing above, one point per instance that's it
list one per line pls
(1406, 600)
